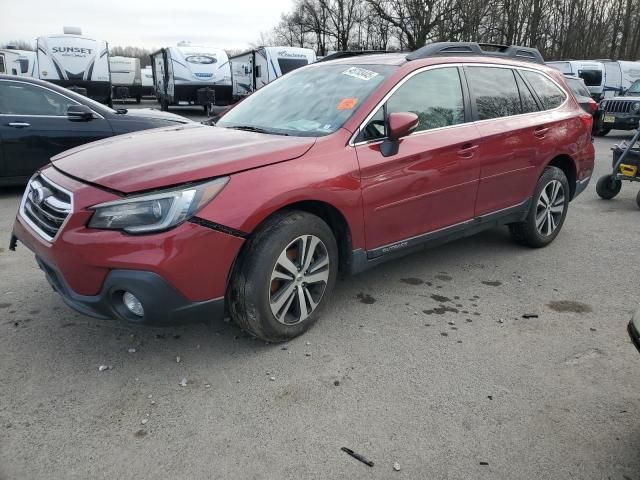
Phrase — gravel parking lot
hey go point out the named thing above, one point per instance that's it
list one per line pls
(474, 392)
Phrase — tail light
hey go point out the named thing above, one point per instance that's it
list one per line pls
(593, 105)
(587, 121)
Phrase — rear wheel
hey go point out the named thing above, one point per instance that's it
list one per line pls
(547, 212)
(608, 187)
(284, 277)
(638, 199)
(164, 104)
(138, 99)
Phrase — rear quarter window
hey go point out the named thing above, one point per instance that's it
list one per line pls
(548, 92)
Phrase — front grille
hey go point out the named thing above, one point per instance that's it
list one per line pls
(619, 106)
(45, 206)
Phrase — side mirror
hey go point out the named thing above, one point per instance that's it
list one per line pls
(400, 124)
(79, 113)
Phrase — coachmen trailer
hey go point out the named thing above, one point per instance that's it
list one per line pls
(191, 75)
(254, 69)
(126, 78)
(619, 76)
(18, 62)
(592, 72)
(147, 82)
(76, 62)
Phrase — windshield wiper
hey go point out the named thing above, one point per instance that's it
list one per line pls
(249, 128)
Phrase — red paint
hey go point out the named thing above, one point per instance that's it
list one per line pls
(438, 178)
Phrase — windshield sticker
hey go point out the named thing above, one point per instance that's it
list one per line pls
(347, 103)
(361, 73)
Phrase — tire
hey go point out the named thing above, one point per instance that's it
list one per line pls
(110, 102)
(548, 210)
(608, 187)
(164, 105)
(138, 99)
(258, 287)
(601, 132)
(638, 199)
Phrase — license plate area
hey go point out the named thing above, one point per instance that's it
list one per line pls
(609, 119)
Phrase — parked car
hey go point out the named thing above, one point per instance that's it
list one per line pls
(621, 113)
(340, 165)
(39, 120)
(577, 86)
(634, 329)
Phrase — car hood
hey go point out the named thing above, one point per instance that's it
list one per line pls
(634, 98)
(153, 113)
(164, 157)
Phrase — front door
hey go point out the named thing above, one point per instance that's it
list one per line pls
(431, 182)
(34, 127)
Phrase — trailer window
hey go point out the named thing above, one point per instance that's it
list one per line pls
(289, 64)
(309, 102)
(592, 78)
(2, 70)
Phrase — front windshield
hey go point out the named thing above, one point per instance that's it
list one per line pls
(312, 101)
(634, 89)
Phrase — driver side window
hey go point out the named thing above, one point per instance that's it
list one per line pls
(20, 98)
(435, 96)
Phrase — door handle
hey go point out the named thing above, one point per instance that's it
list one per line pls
(540, 132)
(19, 124)
(467, 150)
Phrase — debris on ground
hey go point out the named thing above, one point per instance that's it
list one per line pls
(178, 359)
(396, 466)
(336, 383)
(102, 368)
(150, 396)
(132, 350)
(144, 421)
(308, 354)
(273, 379)
(484, 463)
(183, 382)
(357, 456)
(530, 315)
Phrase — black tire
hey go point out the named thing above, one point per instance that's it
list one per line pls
(164, 105)
(251, 286)
(110, 102)
(638, 199)
(608, 187)
(527, 232)
(138, 99)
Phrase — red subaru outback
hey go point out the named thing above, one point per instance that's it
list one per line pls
(340, 165)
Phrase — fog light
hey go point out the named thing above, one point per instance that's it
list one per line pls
(133, 304)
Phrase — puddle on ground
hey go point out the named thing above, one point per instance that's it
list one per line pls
(440, 298)
(366, 298)
(492, 283)
(569, 306)
(412, 281)
(441, 310)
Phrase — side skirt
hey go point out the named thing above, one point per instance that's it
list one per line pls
(362, 260)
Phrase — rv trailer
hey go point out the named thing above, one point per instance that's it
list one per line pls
(254, 69)
(147, 82)
(191, 75)
(17, 62)
(76, 62)
(619, 76)
(126, 78)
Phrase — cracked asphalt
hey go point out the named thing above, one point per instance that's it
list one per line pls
(426, 361)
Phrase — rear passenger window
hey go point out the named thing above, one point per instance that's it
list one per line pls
(435, 96)
(528, 102)
(495, 91)
(548, 92)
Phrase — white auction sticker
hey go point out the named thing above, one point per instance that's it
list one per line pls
(361, 73)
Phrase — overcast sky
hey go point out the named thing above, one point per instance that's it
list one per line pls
(144, 23)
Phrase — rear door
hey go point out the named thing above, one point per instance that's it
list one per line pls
(508, 120)
(431, 182)
(34, 127)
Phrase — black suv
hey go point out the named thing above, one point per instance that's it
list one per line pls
(620, 113)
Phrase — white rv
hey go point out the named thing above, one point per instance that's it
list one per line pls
(191, 75)
(126, 78)
(256, 68)
(147, 82)
(592, 72)
(17, 62)
(76, 62)
(619, 76)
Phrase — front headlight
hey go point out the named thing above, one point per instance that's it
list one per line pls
(157, 211)
(603, 104)
(636, 107)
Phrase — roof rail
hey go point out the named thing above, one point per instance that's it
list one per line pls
(473, 48)
(350, 53)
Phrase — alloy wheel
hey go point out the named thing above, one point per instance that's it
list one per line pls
(550, 207)
(299, 279)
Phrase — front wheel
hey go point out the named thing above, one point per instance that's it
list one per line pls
(284, 277)
(547, 212)
(608, 187)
